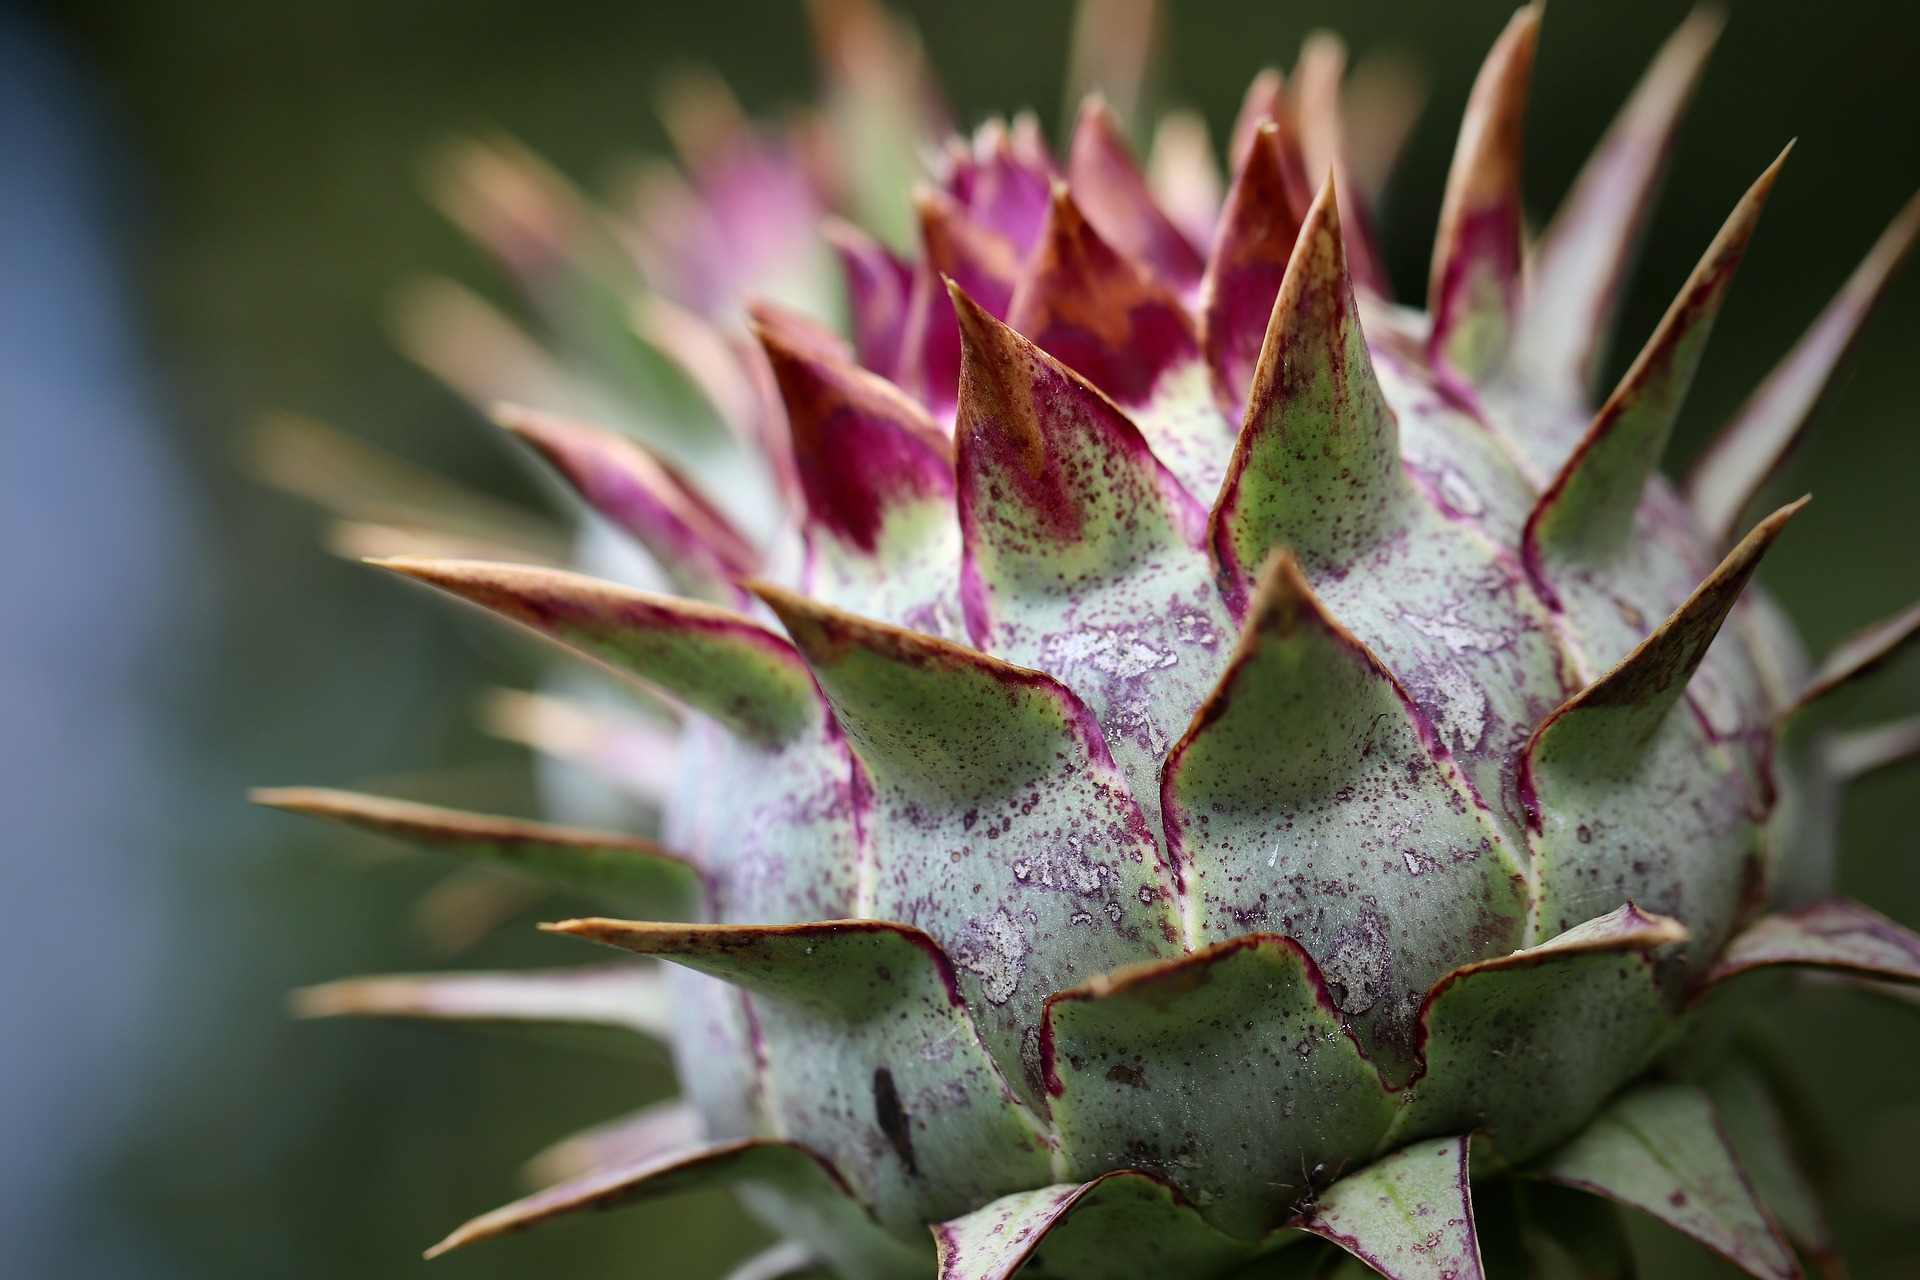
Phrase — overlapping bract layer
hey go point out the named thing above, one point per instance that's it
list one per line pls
(1203, 754)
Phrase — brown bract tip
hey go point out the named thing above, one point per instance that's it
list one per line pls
(1754, 444)
(1109, 185)
(1589, 507)
(827, 636)
(1282, 597)
(387, 811)
(600, 929)
(978, 327)
(1473, 286)
(1256, 235)
(957, 246)
(1652, 678)
(621, 479)
(1625, 928)
(1085, 303)
(1283, 605)
(996, 379)
(795, 330)
(1487, 164)
(1264, 101)
(1075, 279)
(330, 1000)
(817, 382)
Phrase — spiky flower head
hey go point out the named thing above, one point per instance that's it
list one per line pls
(1179, 758)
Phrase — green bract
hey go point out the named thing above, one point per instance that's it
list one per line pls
(1179, 759)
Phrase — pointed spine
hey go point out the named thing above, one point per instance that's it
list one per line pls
(1537, 1005)
(1314, 101)
(1029, 432)
(705, 354)
(631, 1181)
(718, 661)
(1627, 705)
(778, 1261)
(359, 540)
(856, 659)
(1624, 929)
(1750, 1110)
(628, 996)
(1382, 102)
(1318, 456)
(637, 873)
(1580, 270)
(1170, 1042)
(1255, 238)
(888, 998)
(981, 260)
(1589, 508)
(470, 904)
(648, 1134)
(976, 767)
(1473, 290)
(882, 103)
(1308, 723)
(485, 358)
(1154, 988)
(842, 965)
(1760, 437)
(1030, 149)
(1833, 934)
(621, 480)
(514, 205)
(1861, 654)
(1265, 99)
(1282, 611)
(796, 330)
(1110, 187)
(862, 448)
(1084, 304)
(997, 1240)
(702, 118)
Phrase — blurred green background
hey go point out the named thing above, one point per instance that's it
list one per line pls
(274, 153)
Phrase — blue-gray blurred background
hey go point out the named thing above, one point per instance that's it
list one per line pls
(205, 208)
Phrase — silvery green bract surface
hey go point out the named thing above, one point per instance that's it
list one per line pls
(1167, 761)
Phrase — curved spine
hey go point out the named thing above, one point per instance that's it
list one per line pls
(718, 661)
(1317, 461)
(1256, 233)
(1760, 436)
(633, 873)
(1108, 184)
(1589, 508)
(1579, 272)
(1473, 289)
(696, 544)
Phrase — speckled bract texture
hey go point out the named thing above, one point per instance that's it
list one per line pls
(1179, 762)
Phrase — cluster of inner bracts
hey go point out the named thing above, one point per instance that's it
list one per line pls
(1174, 751)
